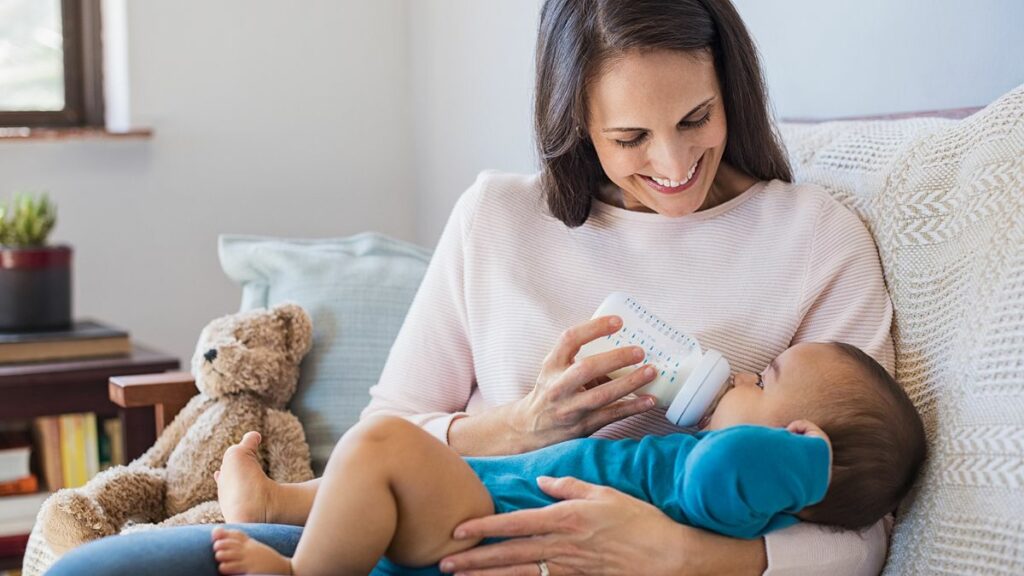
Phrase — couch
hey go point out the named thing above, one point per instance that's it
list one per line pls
(944, 199)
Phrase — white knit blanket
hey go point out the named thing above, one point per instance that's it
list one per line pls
(945, 202)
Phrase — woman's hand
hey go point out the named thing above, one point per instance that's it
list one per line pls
(569, 400)
(573, 399)
(598, 530)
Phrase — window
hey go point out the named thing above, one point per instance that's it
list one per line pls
(50, 61)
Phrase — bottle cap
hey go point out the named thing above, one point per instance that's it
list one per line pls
(700, 391)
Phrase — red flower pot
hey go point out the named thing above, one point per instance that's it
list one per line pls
(35, 288)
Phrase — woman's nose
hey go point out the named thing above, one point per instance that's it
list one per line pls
(671, 159)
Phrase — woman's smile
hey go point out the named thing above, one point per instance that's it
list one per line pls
(666, 186)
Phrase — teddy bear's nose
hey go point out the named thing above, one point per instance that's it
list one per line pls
(210, 355)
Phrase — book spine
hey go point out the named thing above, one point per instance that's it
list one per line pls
(112, 428)
(47, 441)
(92, 446)
(72, 450)
(26, 485)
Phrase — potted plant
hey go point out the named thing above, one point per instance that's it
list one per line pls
(35, 279)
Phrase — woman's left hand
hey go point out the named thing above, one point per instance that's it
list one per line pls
(594, 530)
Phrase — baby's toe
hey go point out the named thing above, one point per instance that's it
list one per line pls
(231, 568)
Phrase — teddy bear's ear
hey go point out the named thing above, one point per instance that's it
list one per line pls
(298, 329)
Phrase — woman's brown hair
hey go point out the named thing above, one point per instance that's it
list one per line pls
(577, 37)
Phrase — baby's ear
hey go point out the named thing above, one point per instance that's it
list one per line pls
(800, 427)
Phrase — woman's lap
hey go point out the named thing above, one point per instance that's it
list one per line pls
(183, 550)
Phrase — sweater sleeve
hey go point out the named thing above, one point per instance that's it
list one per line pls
(749, 480)
(843, 299)
(429, 375)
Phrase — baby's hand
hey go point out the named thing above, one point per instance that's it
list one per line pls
(808, 428)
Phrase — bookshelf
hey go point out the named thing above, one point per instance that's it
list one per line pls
(37, 389)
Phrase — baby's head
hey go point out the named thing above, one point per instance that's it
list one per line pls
(877, 437)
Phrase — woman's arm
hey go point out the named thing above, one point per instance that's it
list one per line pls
(599, 530)
(429, 375)
(808, 548)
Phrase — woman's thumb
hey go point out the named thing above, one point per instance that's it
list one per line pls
(566, 487)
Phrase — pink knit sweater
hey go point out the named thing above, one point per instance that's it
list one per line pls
(777, 265)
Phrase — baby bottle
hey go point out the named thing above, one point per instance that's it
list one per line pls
(689, 381)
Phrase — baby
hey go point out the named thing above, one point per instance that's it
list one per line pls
(824, 434)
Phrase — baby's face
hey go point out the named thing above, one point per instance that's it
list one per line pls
(784, 392)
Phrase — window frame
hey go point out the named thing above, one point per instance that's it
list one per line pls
(83, 78)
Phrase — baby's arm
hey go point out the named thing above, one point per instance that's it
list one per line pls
(748, 480)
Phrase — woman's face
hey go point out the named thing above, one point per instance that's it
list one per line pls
(657, 122)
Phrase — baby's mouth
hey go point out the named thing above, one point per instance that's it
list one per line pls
(706, 419)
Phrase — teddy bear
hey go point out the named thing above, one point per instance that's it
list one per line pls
(246, 367)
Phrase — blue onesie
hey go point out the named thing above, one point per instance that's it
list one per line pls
(743, 481)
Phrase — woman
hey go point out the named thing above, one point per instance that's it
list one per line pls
(661, 177)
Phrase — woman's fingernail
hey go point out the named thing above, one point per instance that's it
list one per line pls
(447, 566)
(648, 371)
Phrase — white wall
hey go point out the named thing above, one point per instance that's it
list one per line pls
(472, 66)
(828, 59)
(271, 117)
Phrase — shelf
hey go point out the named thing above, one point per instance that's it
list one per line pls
(16, 134)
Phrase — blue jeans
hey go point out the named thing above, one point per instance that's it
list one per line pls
(185, 550)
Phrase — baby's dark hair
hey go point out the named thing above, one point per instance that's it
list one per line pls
(878, 443)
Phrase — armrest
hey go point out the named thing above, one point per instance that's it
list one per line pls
(167, 392)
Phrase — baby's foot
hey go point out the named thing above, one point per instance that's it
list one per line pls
(243, 490)
(236, 553)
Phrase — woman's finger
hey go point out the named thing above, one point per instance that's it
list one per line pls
(508, 555)
(518, 570)
(569, 488)
(587, 369)
(527, 522)
(614, 412)
(573, 338)
(605, 394)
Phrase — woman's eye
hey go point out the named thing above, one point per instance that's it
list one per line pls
(632, 143)
(696, 123)
(760, 381)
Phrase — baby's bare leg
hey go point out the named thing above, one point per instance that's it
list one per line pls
(389, 489)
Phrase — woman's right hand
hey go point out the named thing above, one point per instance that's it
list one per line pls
(572, 399)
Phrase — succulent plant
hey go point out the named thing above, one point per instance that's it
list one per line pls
(26, 221)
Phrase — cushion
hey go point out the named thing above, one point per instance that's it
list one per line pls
(945, 202)
(357, 291)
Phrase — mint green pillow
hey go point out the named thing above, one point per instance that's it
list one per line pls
(357, 290)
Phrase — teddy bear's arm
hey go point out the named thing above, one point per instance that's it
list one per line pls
(160, 451)
(286, 449)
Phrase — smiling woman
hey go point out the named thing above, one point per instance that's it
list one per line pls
(662, 89)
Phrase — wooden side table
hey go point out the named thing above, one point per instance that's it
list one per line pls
(49, 388)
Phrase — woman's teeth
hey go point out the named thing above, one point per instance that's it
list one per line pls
(673, 183)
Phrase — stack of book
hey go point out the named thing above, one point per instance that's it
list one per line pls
(69, 450)
(84, 339)
(19, 491)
